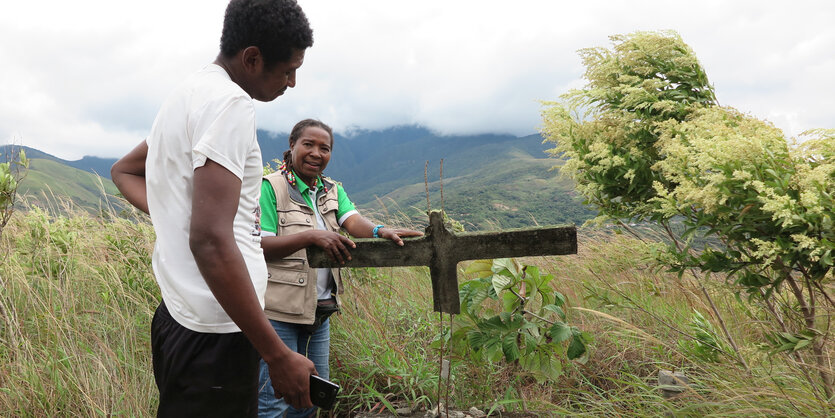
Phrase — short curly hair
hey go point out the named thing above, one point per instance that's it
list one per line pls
(276, 27)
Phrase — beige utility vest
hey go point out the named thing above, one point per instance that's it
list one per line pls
(291, 283)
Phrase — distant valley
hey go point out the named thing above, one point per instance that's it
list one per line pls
(489, 181)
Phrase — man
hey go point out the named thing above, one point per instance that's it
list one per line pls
(198, 174)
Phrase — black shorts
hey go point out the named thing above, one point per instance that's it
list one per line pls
(202, 374)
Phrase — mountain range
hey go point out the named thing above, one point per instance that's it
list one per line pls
(489, 181)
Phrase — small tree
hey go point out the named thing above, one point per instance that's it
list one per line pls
(646, 140)
(511, 312)
(12, 172)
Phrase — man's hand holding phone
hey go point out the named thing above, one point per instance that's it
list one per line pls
(289, 379)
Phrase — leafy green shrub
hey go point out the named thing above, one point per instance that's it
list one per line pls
(646, 140)
(511, 312)
(11, 173)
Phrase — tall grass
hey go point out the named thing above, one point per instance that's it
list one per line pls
(642, 320)
(77, 299)
(78, 295)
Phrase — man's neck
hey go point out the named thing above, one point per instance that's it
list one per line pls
(233, 70)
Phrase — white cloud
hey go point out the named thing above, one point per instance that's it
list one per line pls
(86, 77)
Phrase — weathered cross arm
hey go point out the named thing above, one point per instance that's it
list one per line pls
(529, 242)
(442, 249)
(376, 252)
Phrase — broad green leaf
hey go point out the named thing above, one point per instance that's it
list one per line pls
(510, 348)
(560, 332)
(509, 264)
(477, 339)
(576, 348)
(529, 325)
(531, 343)
(544, 363)
(510, 301)
(480, 295)
(493, 323)
(517, 321)
(481, 268)
(546, 295)
(501, 282)
(532, 272)
(556, 309)
(506, 273)
(559, 299)
(493, 350)
(530, 287)
(545, 279)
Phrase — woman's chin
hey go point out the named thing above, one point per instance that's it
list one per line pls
(312, 172)
(308, 176)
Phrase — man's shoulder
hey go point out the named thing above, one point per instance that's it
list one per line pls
(207, 89)
(213, 83)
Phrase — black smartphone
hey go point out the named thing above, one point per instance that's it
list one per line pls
(323, 392)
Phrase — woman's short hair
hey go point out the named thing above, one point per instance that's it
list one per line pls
(307, 123)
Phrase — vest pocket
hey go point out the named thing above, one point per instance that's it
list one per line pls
(295, 220)
(330, 205)
(329, 210)
(286, 286)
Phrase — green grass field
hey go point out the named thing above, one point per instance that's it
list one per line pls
(47, 179)
(78, 296)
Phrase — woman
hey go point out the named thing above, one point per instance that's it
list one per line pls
(300, 208)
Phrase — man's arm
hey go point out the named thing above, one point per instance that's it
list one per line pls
(212, 242)
(128, 174)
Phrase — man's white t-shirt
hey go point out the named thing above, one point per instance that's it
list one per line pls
(207, 117)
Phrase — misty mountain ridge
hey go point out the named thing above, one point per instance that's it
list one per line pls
(490, 181)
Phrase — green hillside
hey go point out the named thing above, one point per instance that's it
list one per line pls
(516, 191)
(48, 179)
(95, 165)
(490, 181)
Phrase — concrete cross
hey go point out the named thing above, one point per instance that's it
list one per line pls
(442, 249)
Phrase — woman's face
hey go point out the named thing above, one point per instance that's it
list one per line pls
(311, 153)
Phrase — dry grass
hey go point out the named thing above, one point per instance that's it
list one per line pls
(78, 295)
(76, 305)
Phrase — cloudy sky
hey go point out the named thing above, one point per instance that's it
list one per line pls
(86, 77)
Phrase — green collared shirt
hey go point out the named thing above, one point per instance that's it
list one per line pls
(269, 217)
